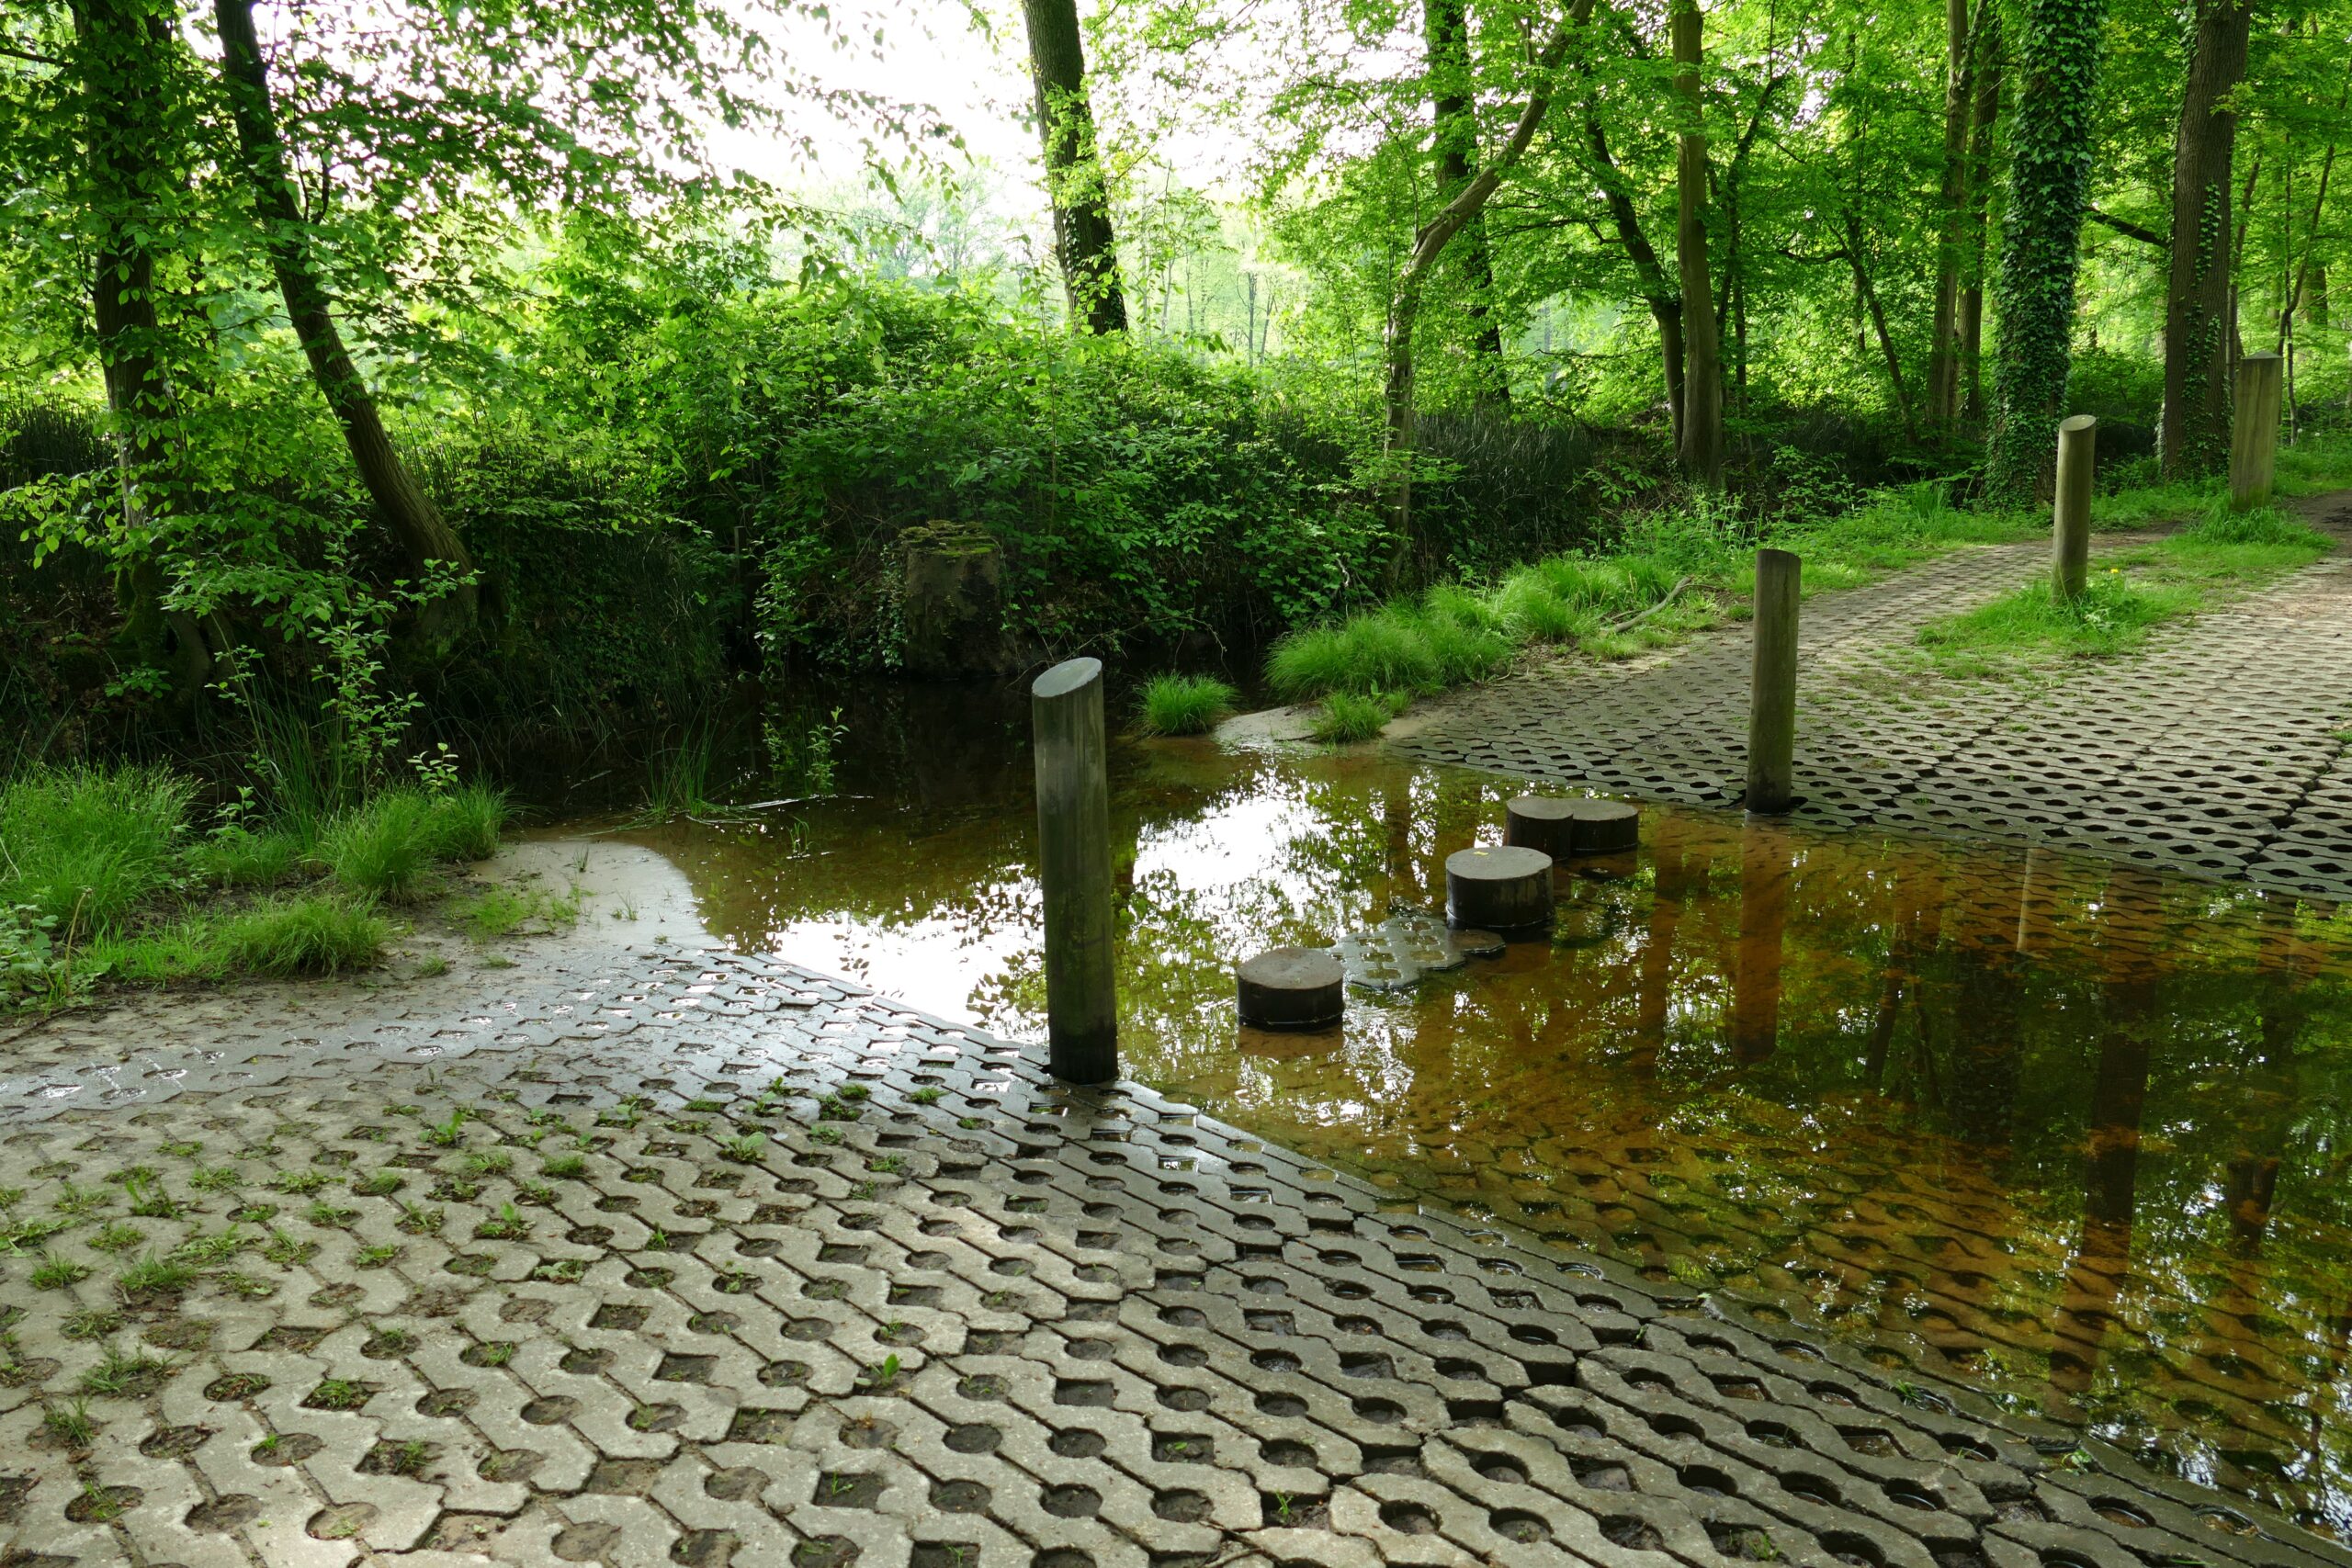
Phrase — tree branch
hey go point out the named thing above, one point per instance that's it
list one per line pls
(2129, 229)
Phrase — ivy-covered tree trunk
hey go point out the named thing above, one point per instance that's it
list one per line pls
(1702, 444)
(1081, 199)
(2195, 435)
(1447, 30)
(2048, 190)
(1943, 355)
(1988, 49)
(422, 536)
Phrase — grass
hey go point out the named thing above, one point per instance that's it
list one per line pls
(1183, 704)
(101, 877)
(1345, 717)
(390, 846)
(85, 846)
(501, 911)
(2128, 596)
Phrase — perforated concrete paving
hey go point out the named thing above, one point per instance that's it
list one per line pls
(2219, 751)
(712, 1259)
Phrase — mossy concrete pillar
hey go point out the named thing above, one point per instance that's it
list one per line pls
(954, 602)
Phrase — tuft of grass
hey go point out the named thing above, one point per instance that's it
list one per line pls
(85, 846)
(1183, 704)
(238, 856)
(1345, 718)
(500, 911)
(388, 847)
(313, 935)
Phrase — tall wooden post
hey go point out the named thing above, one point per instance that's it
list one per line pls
(2254, 438)
(1074, 872)
(2070, 531)
(1772, 695)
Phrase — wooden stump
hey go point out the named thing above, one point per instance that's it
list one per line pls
(1773, 693)
(1605, 827)
(2070, 516)
(1504, 888)
(2254, 431)
(1074, 872)
(1542, 823)
(1290, 987)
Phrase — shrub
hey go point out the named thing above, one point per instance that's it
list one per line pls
(1183, 704)
(82, 846)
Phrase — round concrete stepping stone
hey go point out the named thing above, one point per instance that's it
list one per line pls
(1605, 827)
(1542, 822)
(1498, 887)
(1290, 987)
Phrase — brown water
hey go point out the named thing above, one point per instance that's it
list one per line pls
(2074, 1133)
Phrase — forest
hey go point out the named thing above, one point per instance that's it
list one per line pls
(390, 392)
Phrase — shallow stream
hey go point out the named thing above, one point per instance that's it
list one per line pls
(2071, 1131)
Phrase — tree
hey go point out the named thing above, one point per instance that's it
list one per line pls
(1429, 245)
(2195, 434)
(1082, 235)
(1701, 445)
(426, 540)
(2049, 191)
(1454, 137)
(1988, 48)
(1962, 48)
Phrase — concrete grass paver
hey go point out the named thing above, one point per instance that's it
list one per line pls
(2219, 749)
(656, 1257)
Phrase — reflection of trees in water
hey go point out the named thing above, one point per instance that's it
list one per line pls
(2083, 1130)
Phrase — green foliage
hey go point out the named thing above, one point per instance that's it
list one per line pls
(84, 846)
(317, 933)
(1183, 704)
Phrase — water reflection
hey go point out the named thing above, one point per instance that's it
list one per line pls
(2075, 1132)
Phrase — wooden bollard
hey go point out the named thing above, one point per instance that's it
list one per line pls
(1498, 887)
(1544, 823)
(2070, 519)
(2254, 432)
(1605, 827)
(1290, 987)
(1074, 872)
(1773, 693)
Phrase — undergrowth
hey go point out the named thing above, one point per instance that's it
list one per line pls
(1183, 705)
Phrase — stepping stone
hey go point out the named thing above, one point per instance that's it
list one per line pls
(1499, 887)
(1290, 987)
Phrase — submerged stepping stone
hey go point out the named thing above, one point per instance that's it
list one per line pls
(1604, 827)
(1498, 887)
(1404, 949)
(1560, 827)
(1290, 987)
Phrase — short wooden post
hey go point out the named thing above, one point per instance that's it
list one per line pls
(2254, 437)
(2070, 531)
(1074, 872)
(1773, 694)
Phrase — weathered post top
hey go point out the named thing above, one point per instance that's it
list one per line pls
(1074, 872)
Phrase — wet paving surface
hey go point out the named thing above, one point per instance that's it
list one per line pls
(2068, 1132)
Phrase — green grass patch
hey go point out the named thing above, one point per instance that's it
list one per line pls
(2128, 594)
(241, 857)
(317, 933)
(1344, 717)
(84, 846)
(501, 911)
(390, 846)
(1183, 705)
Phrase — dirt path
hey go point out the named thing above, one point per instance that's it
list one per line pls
(2219, 749)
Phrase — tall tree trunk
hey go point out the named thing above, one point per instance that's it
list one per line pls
(1989, 50)
(2311, 276)
(2195, 434)
(1943, 355)
(1877, 313)
(1658, 291)
(1412, 280)
(1081, 199)
(1455, 127)
(422, 536)
(122, 46)
(2049, 166)
(1701, 447)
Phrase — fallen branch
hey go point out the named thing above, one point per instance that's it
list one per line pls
(1671, 594)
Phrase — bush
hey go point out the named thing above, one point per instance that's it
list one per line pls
(1183, 704)
(84, 846)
